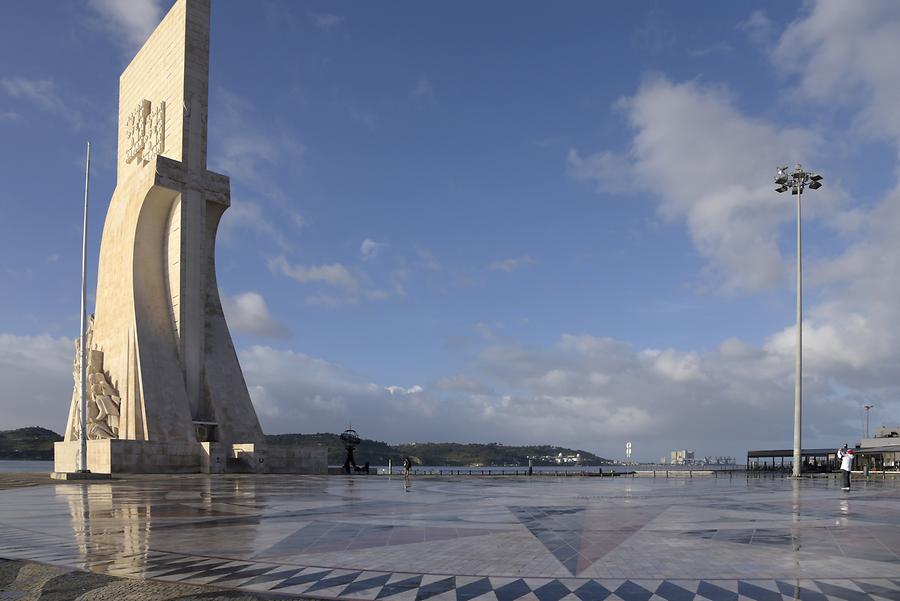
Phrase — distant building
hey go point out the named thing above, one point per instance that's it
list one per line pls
(718, 460)
(882, 451)
(887, 432)
(685, 457)
(682, 457)
(568, 459)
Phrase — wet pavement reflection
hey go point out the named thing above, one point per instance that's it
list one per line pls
(345, 537)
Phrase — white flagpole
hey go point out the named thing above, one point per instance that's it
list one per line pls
(87, 176)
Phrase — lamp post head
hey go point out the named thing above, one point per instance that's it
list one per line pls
(797, 180)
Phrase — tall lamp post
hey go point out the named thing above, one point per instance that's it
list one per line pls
(867, 418)
(83, 462)
(796, 181)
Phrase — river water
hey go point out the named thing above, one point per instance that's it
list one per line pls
(13, 465)
(24, 465)
(552, 469)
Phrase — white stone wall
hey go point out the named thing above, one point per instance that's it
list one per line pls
(156, 74)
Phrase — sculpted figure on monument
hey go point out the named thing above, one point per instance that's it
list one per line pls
(103, 400)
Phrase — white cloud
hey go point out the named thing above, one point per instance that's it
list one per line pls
(365, 117)
(488, 331)
(426, 259)
(412, 400)
(586, 392)
(301, 393)
(684, 133)
(36, 372)
(654, 35)
(311, 395)
(461, 384)
(330, 300)
(842, 54)
(325, 20)
(423, 90)
(400, 391)
(266, 406)
(130, 21)
(758, 27)
(308, 393)
(710, 166)
(608, 171)
(512, 264)
(246, 148)
(377, 294)
(248, 313)
(345, 286)
(732, 398)
(42, 93)
(333, 274)
(240, 153)
(9, 116)
(675, 365)
(298, 219)
(714, 49)
(839, 55)
(851, 347)
(250, 215)
(369, 249)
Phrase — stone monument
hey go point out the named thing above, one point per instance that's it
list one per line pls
(165, 389)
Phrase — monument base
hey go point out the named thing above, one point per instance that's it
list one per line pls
(114, 456)
(79, 476)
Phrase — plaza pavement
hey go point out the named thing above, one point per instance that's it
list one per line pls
(501, 538)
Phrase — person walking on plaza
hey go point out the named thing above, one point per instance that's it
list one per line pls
(846, 456)
(407, 464)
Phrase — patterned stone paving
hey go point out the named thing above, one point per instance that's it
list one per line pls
(502, 539)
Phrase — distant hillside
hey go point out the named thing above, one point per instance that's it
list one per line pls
(436, 453)
(37, 443)
(491, 454)
(28, 443)
(373, 451)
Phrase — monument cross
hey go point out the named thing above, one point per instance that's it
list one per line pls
(163, 376)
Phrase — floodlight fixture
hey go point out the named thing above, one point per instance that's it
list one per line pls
(797, 180)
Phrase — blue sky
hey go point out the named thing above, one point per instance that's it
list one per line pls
(520, 222)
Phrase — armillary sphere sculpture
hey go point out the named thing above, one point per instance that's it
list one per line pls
(351, 440)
